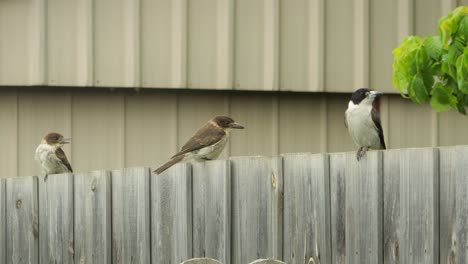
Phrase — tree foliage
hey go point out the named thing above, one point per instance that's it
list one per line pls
(435, 68)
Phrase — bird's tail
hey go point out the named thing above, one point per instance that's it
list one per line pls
(169, 164)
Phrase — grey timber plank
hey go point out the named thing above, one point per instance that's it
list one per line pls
(356, 208)
(22, 220)
(306, 208)
(92, 197)
(454, 204)
(56, 219)
(3, 227)
(412, 204)
(131, 215)
(171, 215)
(257, 215)
(211, 193)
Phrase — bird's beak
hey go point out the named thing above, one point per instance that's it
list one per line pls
(375, 94)
(65, 141)
(236, 126)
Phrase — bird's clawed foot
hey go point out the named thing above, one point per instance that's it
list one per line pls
(361, 152)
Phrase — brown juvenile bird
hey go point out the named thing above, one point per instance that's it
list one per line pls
(206, 144)
(50, 156)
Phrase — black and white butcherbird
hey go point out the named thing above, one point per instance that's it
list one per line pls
(50, 156)
(363, 121)
(207, 143)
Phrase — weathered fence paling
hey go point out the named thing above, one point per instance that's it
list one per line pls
(211, 194)
(56, 219)
(93, 217)
(306, 218)
(300, 208)
(3, 227)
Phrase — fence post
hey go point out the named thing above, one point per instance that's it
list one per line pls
(257, 202)
(22, 220)
(131, 215)
(306, 208)
(453, 204)
(56, 219)
(211, 183)
(171, 215)
(356, 208)
(411, 205)
(92, 217)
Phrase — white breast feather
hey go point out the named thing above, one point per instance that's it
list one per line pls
(361, 127)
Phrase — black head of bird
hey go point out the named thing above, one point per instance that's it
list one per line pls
(364, 96)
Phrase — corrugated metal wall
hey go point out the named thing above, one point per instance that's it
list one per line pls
(291, 45)
(124, 128)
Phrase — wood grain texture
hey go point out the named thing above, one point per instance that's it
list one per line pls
(92, 217)
(56, 219)
(391, 206)
(211, 196)
(3, 227)
(22, 220)
(202, 261)
(453, 205)
(306, 208)
(171, 215)
(267, 261)
(131, 215)
(256, 224)
(356, 207)
(414, 204)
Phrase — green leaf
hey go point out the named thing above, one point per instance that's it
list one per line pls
(463, 29)
(433, 47)
(449, 25)
(462, 71)
(405, 62)
(443, 98)
(417, 90)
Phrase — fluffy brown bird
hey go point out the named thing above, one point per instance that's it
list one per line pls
(50, 156)
(207, 143)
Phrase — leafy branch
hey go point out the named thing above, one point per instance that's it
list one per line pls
(435, 68)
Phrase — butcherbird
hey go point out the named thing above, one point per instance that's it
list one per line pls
(363, 121)
(207, 143)
(50, 156)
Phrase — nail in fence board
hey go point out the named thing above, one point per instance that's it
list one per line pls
(56, 218)
(131, 215)
(306, 208)
(211, 183)
(356, 207)
(453, 205)
(171, 215)
(411, 216)
(93, 217)
(257, 193)
(3, 227)
(22, 220)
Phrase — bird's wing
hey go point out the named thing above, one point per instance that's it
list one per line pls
(208, 135)
(378, 125)
(345, 122)
(63, 158)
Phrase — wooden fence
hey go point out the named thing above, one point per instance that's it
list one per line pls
(395, 206)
